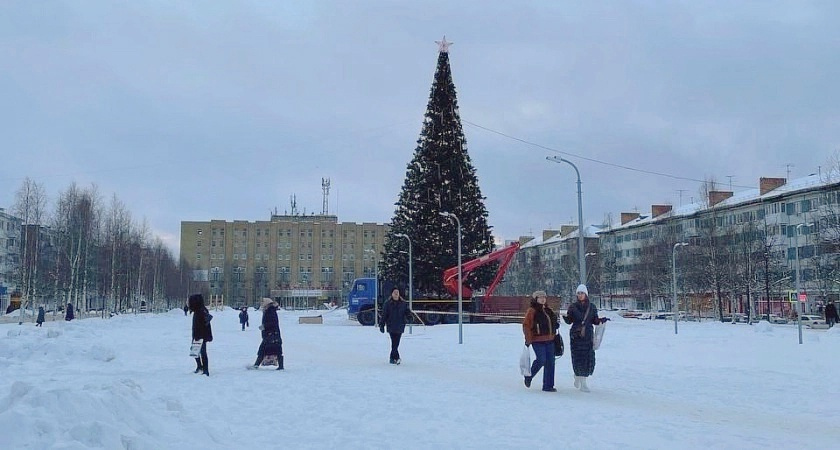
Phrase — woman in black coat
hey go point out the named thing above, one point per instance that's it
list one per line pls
(582, 315)
(272, 341)
(68, 315)
(201, 330)
(40, 320)
(393, 315)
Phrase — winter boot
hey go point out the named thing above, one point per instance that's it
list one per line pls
(197, 365)
(583, 386)
(280, 362)
(528, 381)
(577, 382)
(205, 369)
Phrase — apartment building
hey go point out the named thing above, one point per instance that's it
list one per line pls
(768, 238)
(10, 227)
(296, 259)
(550, 263)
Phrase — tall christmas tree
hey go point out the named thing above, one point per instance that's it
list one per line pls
(440, 178)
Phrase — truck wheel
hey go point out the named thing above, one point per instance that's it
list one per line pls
(432, 317)
(365, 317)
(452, 316)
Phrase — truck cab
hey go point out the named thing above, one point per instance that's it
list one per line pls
(360, 306)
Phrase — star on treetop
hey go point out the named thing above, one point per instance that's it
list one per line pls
(443, 46)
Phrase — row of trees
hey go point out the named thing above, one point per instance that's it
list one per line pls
(82, 250)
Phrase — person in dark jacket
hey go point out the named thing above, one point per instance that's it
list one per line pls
(201, 330)
(582, 315)
(68, 315)
(272, 340)
(830, 314)
(243, 317)
(393, 316)
(40, 320)
(540, 326)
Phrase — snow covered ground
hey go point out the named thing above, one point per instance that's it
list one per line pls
(128, 382)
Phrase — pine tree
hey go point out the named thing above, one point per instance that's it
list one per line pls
(439, 178)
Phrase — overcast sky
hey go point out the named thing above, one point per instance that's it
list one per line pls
(222, 110)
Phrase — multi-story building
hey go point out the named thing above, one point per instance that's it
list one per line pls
(747, 249)
(551, 263)
(10, 227)
(295, 259)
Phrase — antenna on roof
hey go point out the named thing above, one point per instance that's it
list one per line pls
(681, 191)
(788, 166)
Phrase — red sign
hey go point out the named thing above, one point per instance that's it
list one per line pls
(803, 298)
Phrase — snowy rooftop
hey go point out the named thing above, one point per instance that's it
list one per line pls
(591, 231)
(738, 198)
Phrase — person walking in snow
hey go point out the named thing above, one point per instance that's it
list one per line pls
(272, 340)
(393, 316)
(581, 315)
(68, 315)
(830, 314)
(201, 329)
(40, 320)
(540, 326)
(243, 317)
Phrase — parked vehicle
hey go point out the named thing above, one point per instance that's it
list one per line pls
(777, 319)
(815, 322)
(361, 307)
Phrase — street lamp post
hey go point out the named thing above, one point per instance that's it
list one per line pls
(600, 297)
(375, 287)
(798, 312)
(674, 308)
(581, 250)
(460, 280)
(410, 278)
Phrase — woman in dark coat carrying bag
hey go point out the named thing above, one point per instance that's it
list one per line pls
(581, 316)
(272, 341)
(201, 330)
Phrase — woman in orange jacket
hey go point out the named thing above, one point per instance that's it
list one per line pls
(540, 326)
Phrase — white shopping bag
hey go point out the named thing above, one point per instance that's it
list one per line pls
(525, 362)
(598, 335)
(195, 348)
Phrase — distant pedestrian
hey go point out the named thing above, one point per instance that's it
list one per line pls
(540, 326)
(68, 315)
(272, 340)
(243, 317)
(393, 315)
(186, 308)
(40, 320)
(201, 330)
(582, 314)
(830, 314)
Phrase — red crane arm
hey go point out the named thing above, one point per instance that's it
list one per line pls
(504, 255)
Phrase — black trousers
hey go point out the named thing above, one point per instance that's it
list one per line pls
(395, 345)
(201, 361)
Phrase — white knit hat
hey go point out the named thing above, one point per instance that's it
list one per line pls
(582, 288)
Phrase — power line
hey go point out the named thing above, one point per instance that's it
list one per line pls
(597, 161)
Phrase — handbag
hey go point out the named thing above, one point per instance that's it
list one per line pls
(558, 346)
(525, 361)
(195, 348)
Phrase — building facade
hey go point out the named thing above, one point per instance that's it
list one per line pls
(299, 260)
(550, 263)
(747, 250)
(10, 245)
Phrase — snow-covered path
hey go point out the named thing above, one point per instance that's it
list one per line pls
(127, 382)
